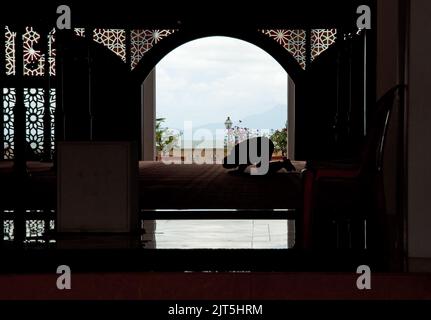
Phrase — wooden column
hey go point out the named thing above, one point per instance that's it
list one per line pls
(149, 117)
(20, 140)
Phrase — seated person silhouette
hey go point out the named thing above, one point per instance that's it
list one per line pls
(255, 151)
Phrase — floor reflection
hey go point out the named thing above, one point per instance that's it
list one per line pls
(157, 234)
(218, 234)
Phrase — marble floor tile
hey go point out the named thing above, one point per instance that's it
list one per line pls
(204, 245)
(269, 245)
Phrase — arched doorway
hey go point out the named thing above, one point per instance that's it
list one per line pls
(251, 62)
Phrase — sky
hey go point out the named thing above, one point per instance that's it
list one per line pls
(209, 79)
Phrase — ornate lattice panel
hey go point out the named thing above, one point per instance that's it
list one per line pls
(34, 60)
(321, 39)
(144, 40)
(9, 101)
(292, 40)
(8, 230)
(10, 40)
(35, 110)
(113, 39)
(80, 32)
(34, 105)
(34, 228)
(51, 52)
(52, 107)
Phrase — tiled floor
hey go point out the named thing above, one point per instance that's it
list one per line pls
(219, 234)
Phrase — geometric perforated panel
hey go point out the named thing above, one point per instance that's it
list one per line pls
(9, 101)
(51, 52)
(35, 110)
(113, 39)
(34, 228)
(294, 41)
(34, 105)
(10, 39)
(143, 40)
(8, 230)
(321, 40)
(34, 60)
(80, 32)
(52, 108)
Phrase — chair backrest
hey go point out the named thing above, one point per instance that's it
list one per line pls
(372, 153)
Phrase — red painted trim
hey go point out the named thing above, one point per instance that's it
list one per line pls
(214, 286)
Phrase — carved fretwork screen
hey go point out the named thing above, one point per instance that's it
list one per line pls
(28, 95)
(321, 40)
(28, 57)
(295, 42)
(143, 40)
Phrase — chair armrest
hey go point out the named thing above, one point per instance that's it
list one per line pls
(337, 173)
(340, 163)
(337, 169)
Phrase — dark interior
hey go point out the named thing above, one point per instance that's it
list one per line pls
(347, 195)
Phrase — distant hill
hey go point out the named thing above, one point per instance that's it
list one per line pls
(274, 118)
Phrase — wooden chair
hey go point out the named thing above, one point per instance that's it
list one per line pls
(344, 200)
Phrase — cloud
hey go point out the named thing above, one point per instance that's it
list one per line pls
(208, 79)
